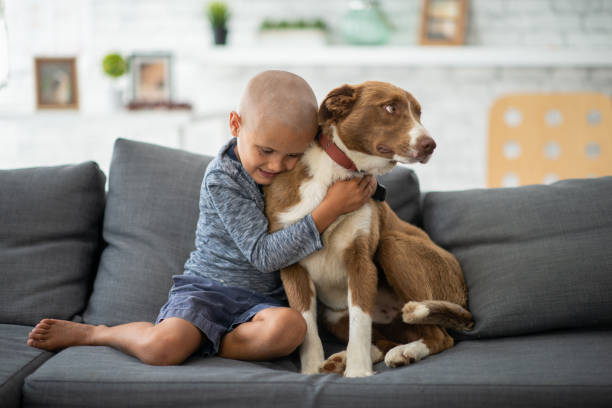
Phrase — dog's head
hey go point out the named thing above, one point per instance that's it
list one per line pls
(377, 125)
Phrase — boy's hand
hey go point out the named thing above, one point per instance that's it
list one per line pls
(350, 195)
(342, 197)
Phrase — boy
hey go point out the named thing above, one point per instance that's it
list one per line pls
(229, 301)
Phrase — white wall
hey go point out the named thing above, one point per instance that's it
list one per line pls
(455, 99)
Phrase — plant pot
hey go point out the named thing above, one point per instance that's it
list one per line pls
(220, 34)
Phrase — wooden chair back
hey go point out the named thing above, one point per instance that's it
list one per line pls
(540, 138)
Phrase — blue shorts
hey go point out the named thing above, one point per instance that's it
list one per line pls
(212, 308)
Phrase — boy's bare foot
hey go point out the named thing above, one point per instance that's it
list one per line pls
(52, 334)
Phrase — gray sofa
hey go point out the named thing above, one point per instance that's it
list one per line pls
(537, 261)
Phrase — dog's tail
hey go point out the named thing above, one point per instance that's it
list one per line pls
(439, 312)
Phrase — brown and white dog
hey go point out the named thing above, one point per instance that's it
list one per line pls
(373, 264)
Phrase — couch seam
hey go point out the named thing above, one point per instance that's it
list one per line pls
(26, 367)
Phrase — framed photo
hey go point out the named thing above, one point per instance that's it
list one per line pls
(151, 78)
(56, 83)
(443, 22)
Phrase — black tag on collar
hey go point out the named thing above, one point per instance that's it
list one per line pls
(380, 194)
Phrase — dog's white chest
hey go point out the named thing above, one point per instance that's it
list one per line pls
(326, 267)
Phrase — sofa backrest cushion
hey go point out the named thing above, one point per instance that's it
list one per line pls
(50, 237)
(535, 258)
(403, 193)
(149, 228)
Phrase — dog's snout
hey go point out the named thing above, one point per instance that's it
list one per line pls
(426, 145)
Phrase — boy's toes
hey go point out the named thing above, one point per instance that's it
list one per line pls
(38, 332)
(45, 323)
(34, 343)
(43, 326)
(38, 336)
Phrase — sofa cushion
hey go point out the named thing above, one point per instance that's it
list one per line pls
(17, 361)
(534, 258)
(149, 228)
(563, 369)
(403, 193)
(50, 224)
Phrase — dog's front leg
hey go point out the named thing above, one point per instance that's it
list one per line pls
(311, 350)
(302, 297)
(362, 283)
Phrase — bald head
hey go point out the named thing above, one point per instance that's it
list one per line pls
(279, 97)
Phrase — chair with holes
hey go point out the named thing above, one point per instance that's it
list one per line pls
(542, 138)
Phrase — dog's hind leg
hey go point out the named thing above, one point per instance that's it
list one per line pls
(431, 340)
(438, 312)
(417, 269)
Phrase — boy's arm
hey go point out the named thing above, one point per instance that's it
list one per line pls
(248, 228)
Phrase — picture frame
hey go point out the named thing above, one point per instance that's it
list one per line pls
(151, 78)
(56, 83)
(443, 22)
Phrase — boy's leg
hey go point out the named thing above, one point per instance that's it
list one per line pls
(271, 333)
(170, 342)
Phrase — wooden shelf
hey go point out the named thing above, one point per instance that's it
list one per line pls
(460, 56)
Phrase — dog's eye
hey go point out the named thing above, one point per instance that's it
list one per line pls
(390, 108)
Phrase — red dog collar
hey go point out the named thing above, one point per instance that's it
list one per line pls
(335, 153)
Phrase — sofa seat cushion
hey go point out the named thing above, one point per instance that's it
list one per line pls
(557, 369)
(535, 258)
(17, 361)
(50, 236)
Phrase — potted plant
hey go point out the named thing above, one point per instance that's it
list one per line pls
(115, 66)
(300, 32)
(218, 15)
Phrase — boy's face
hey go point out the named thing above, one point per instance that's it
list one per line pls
(269, 149)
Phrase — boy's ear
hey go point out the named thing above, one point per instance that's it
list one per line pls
(337, 104)
(234, 123)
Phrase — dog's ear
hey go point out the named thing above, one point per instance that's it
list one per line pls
(337, 104)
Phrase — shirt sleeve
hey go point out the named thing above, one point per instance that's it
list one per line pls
(247, 225)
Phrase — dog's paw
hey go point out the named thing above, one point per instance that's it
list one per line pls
(311, 365)
(406, 354)
(414, 312)
(356, 373)
(311, 355)
(335, 364)
(377, 355)
(310, 369)
(311, 362)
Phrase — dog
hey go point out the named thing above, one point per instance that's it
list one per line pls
(386, 289)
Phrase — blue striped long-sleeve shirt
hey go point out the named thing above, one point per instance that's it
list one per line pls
(233, 245)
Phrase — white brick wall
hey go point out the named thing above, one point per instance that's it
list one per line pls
(456, 101)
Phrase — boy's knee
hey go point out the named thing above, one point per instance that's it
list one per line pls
(288, 329)
(160, 348)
